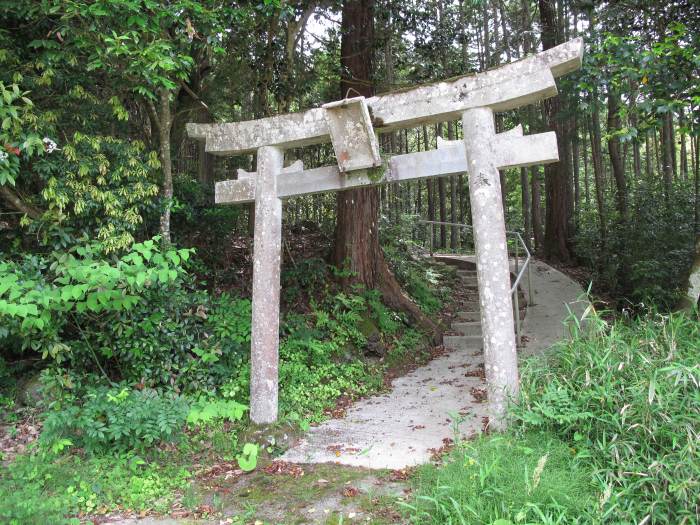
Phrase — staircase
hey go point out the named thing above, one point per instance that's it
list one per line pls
(465, 331)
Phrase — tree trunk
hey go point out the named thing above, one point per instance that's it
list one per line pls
(486, 62)
(357, 228)
(556, 227)
(15, 202)
(454, 231)
(667, 147)
(165, 123)
(537, 232)
(598, 173)
(684, 146)
(575, 154)
(696, 169)
(442, 191)
(442, 197)
(692, 293)
(525, 191)
(618, 168)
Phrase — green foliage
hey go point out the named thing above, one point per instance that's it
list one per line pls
(510, 479)
(647, 261)
(208, 411)
(107, 419)
(175, 337)
(248, 459)
(102, 186)
(15, 139)
(402, 247)
(626, 397)
(43, 297)
(408, 343)
(317, 360)
(151, 46)
(40, 488)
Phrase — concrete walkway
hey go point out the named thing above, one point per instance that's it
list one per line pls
(443, 399)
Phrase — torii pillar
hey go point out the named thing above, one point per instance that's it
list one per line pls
(267, 262)
(492, 263)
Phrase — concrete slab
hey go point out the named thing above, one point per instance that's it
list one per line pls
(405, 426)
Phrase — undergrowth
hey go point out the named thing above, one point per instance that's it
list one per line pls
(528, 478)
(172, 374)
(611, 416)
(627, 397)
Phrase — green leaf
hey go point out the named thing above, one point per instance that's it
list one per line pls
(248, 460)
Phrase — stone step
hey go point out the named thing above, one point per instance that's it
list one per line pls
(471, 306)
(468, 328)
(462, 342)
(469, 316)
(470, 282)
(467, 273)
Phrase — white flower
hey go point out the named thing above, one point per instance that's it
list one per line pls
(3, 155)
(49, 145)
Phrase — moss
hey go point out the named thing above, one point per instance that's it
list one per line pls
(377, 173)
(279, 498)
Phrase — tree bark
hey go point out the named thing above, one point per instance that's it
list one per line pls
(525, 191)
(454, 230)
(15, 202)
(696, 169)
(575, 155)
(618, 168)
(667, 147)
(357, 228)
(165, 124)
(556, 228)
(692, 290)
(598, 173)
(442, 206)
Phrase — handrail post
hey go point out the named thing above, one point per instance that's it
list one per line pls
(430, 238)
(529, 282)
(516, 308)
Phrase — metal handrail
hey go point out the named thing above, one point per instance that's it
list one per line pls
(520, 271)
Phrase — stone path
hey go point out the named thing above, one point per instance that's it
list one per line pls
(404, 426)
(443, 399)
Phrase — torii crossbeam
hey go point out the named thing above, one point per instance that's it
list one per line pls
(350, 125)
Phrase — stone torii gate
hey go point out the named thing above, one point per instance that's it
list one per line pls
(350, 125)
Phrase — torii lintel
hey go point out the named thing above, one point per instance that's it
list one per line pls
(507, 87)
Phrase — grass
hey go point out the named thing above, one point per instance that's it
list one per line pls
(529, 478)
(615, 411)
(42, 488)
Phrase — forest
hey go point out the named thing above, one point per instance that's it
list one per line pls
(125, 290)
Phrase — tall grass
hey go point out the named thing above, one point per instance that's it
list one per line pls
(627, 396)
(623, 400)
(529, 478)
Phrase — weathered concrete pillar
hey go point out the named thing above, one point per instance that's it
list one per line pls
(493, 272)
(267, 252)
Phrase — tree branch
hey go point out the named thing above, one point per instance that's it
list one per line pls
(194, 97)
(153, 115)
(16, 202)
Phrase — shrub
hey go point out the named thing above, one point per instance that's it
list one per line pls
(117, 418)
(45, 301)
(503, 480)
(626, 397)
(175, 337)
